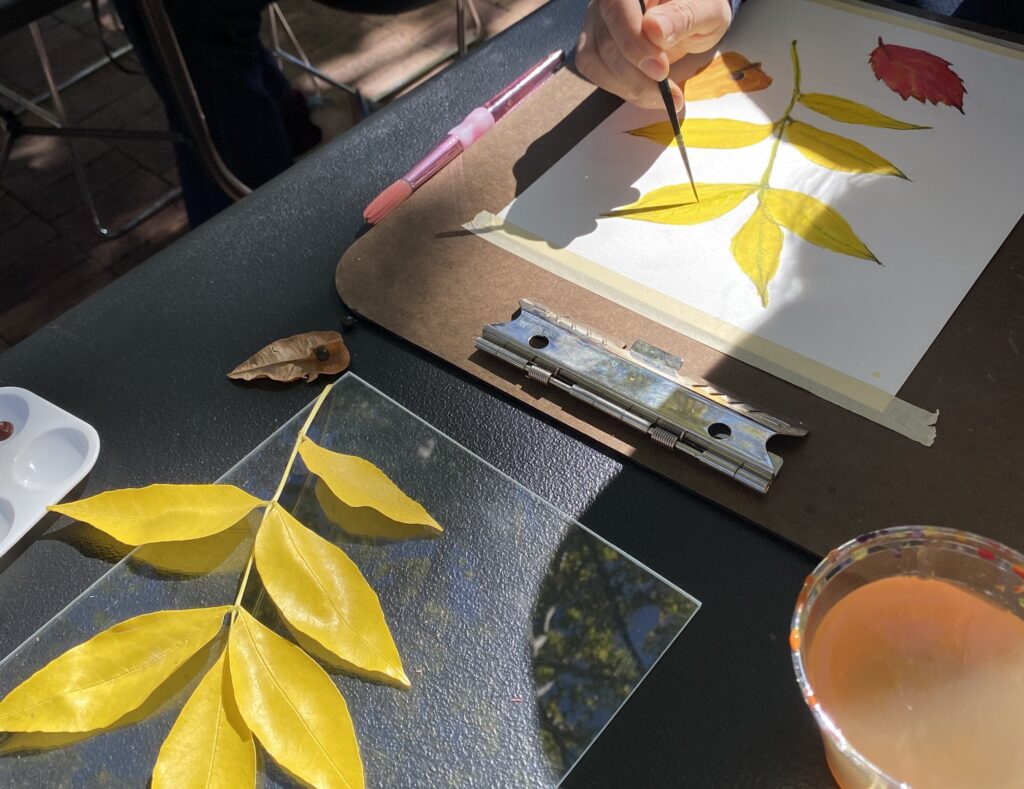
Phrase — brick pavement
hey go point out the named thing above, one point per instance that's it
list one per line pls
(51, 258)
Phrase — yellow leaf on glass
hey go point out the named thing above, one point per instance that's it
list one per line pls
(674, 205)
(707, 133)
(838, 153)
(292, 707)
(321, 593)
(166, 696)
(728, 72)
(359, 483)
(209, 745)
(365, 522)
(162, 513)
(93, 684)
(757, 248)
(218, 553)
(815, 222)
(845, 111)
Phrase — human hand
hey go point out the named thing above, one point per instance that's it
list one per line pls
(627, 53)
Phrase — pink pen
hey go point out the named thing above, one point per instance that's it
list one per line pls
(473, 127)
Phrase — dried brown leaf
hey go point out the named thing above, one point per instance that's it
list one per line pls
(304, 356)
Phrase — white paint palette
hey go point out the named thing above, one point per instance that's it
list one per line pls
(47, 454)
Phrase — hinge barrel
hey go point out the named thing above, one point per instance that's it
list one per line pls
(642, 389)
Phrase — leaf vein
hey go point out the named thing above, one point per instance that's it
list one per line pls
(125, 672)
(287, 698)
(369, 645)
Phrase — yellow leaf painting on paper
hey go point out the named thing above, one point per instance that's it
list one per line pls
(757, 245)
(674, 205)
(365, 522)
(846, 111)
(209, 746)
(162, 513)
(815, 222)
(836, 152)
(359, 483)
(93, 684)
(708, 133)
(728, 72)
(757, 248)
(321, 593)
(292, 707)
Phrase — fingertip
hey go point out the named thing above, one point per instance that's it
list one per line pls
(657, 68)
(677, 97)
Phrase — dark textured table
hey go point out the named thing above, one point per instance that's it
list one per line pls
(144, 362)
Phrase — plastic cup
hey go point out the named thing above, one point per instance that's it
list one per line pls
(979, 565)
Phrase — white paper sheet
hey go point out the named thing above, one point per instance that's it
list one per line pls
(933, 234)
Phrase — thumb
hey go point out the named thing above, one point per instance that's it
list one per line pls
(670, 23)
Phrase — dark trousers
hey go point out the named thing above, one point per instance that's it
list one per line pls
(256, 120)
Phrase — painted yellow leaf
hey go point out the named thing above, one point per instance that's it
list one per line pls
(162, 513)
(359, 483)
(845, 111)
(707, 133)
(757, 247)
(366, 522)
(728, 72)
(674, 205)
(815, 222)
(93, 684)
(209, 745)
(321, 593)
(292, 707)
(837, 153)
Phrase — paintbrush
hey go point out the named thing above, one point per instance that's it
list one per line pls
(673, 118)
(475, 125)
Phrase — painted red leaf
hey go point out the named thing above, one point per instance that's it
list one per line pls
(914, 72)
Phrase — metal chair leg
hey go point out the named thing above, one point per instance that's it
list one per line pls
(465, 38)
(461, 7)
(172, 63)
(76, 162)
(84, 72)
(277, 15)
(25, 104)
(275, 39)
(460, 27)
(469, 30)
(303, 63)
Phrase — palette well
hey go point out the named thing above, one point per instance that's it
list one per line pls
(48, 452)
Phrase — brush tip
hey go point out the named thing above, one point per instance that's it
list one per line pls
(387, 201)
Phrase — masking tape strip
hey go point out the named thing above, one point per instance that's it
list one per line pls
(845, 391)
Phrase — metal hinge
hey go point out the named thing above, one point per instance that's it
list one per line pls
(643, 388)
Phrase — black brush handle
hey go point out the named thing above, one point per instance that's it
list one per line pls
(666, 91)
(673, 118)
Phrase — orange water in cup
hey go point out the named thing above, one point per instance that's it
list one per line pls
(909, 648)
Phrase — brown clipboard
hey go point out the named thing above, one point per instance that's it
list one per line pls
(420, 275)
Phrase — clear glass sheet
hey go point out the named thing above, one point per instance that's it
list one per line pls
(522, 632)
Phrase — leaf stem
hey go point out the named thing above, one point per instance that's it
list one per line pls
(780, 126)
(277, 494)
